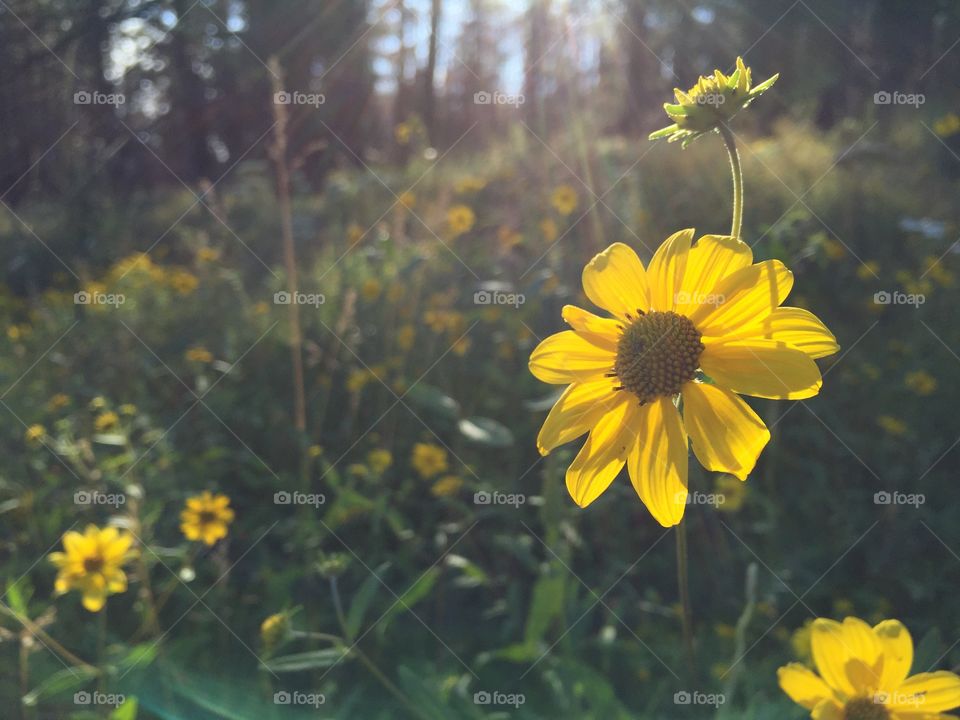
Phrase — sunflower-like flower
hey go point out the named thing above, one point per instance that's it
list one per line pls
(92, 563)
(864, 675)
(699, 325)
(206, 517)
(713, 100)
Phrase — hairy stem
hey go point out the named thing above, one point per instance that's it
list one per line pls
(737, 174)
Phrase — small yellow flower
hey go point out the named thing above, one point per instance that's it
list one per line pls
(892, 425)
(408, 199)
(355, 234)
(314, 451)
(548, 226)
(508, 238)
(105, 421)
(460, 219)
(261, 308)
(833, 249)
(60, 400)
(182, 281)
(405, 337)
(274, 629)
(92, 563)
(13, 332)
(863, 673)
(725, 631)
(98, 403)
(461, 346)
(429, 460)
(402, 133)
(469, 184)
(198, 354)
(128, 409)
(379, 460)
(358, 379)
(564, 199)
(921, 382)
(869, 269)
(206, 517)
(371, 289)
(948, 125)
(208, 254)
(710, 103)
(34, 434)
(696, 310)
(446, 486)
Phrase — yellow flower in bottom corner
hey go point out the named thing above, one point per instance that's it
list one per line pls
(701, 325)
(206, 517)
(92, 563)
(864, 674)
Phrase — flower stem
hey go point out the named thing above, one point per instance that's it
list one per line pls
(683, 582)
(737, 173)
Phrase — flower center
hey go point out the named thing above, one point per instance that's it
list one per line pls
(656, 354)
(865, 709)
(93, 564)
(206, 517)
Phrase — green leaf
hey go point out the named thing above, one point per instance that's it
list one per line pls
(127, 711)
(420, 589)
(546, 605)
(139, 656)
(765, 85)
(110, 439)
(316, 659)
(663, 132)
(434, 401)
(60, 682)
(486, 431)
(17, 595)
(361, 601)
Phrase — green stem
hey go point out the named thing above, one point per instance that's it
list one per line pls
(737, 173)
(683, 582)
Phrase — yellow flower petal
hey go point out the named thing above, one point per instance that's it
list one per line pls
(94, 601)
(710, 260)
(827, 710)
(579, 408)
(897, 652)
(603, 332)
(667, 268)
(928, 693)
(762, 368)
(726, 434)
(603, 455)
(803, 686)
(846, 655)
(566, 357)
(658, 461)
(744, 297)
(794, 326)
(616, 281)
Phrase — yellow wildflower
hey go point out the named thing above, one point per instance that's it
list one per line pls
(446, 486)
(379, 460)
(35, 433)
(460, 219)
(564, 199)
(921, 382)
(93, 564)
(206, 517)
(199, 354)
(105, 421)
(428, 460)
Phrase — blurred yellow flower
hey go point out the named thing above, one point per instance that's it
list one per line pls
(182, 281)
(733, 491)
(696, 308)
(725, 630)
(460, 219)
(938, 271)
(863, 673)
(428, 460)
(800, 641)
(92, 564)
(892, 425)
(921, 382)
(869, 269)
(58, 401)
(371, 289)
(446, 486)
(206, 517)
(97, 403)
(469, 184)
(408, 199)
(208, 254)
(379, 460)
(947, 125)
(402, 133)
(461, 346)
(548, 226)
(359, 378)
(314, 451)
(833, 249)
(405, 337)
(508, 238)
(355, 233)
(35, 433)
(274, 629)
(564, 199)
(198, 354)
(105, 421)
(261, 308)
(128, 409)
